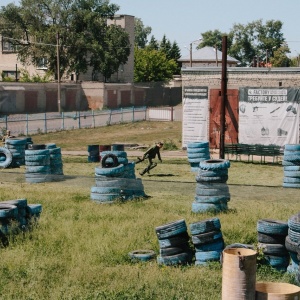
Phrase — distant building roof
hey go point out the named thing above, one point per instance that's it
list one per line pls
(207, 54)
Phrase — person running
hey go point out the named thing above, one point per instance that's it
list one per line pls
(150, 154)
(8, 135)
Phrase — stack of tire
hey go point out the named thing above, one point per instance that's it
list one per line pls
(292, 244)
(212, 192)
(37, 164)
(17, 215)
(115, 180)
(56, 164)
(197, 152)
(93, 153)
(208, 240)
(271, 241)
(17, 148)
(291, 164)
(174, 248)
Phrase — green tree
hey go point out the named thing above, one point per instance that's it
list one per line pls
(141, 33)
(212, 39)
(85, 39)
(279, 58)
(152, 66)
(153, 44)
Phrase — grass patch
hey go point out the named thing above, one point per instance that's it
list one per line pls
(79, 250)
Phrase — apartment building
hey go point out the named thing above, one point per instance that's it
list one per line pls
(10, 65)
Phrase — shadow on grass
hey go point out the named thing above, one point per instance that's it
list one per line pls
(161, 175)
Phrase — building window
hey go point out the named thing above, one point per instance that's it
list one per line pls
(42, 63)
(7, 46)
(10, 75)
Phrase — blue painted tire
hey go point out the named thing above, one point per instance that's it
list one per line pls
(272, 227)
(8, 211)
(205, 238)
(37, 152)
(292, 157)
(206, 256)
(198, 160)
(197, 150)
(105, 190)
(37, 157)
(292, 147)
(291, 168)
(215, 164)
(7, 155)
(56, 150)
(211, 192)
(278, 261)
(34, 209)
(197, 155)
(178, 259)
(104, 198)
(291, 180)
(208, 207)
(212, 173)
(16, 141)
(110, 171)
(198, 144)
(291, 174)
(212, 199)
(291, 185)
(289, 163)
(290, 245)
(294, 235)
(211, 224)
(294, 222)
(142, 255)
(50, 146)
(38, 169)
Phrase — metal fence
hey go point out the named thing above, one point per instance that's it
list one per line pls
(27, 124)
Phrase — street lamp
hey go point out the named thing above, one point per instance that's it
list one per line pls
(191, 51)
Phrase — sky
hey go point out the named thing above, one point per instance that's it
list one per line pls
(184, 21)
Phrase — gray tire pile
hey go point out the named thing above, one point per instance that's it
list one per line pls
(208, 240)
(212, 192)
(197, 152)
(271, 241)
(174, 248)
(17, 148)
(16, 216)
(292, 244)
(291, 164)
(43, 163)
(56, 164)
(115, 179)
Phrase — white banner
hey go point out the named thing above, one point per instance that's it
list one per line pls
(269, 116)
(195, 115)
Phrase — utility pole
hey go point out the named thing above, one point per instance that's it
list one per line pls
(191, 54)
(223, 97)
(58, 74)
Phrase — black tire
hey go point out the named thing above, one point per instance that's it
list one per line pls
(272, 227)
(36, 147)
(270, 238)
(114, 162)
(171, 229)
(204, 226)
(175, 241)
(273, 249)
(205, 238)
(4, 152)
(178, 259)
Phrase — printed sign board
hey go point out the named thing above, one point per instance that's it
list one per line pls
(269, 116)
(195, 114)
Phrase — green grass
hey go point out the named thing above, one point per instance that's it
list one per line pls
(79, 250)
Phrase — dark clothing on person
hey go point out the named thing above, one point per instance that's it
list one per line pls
(150, 154)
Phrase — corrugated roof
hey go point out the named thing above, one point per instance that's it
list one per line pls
(206, 54)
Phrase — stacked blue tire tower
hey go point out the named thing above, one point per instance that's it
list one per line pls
(291, 164)
(174, 248)
(115, 178)
(37, 164)
(271, 241)
(208, 240)
(17, 148)
(212, 192)
(17, 215)
(197, 152)
(56, 164)
(292, 243)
